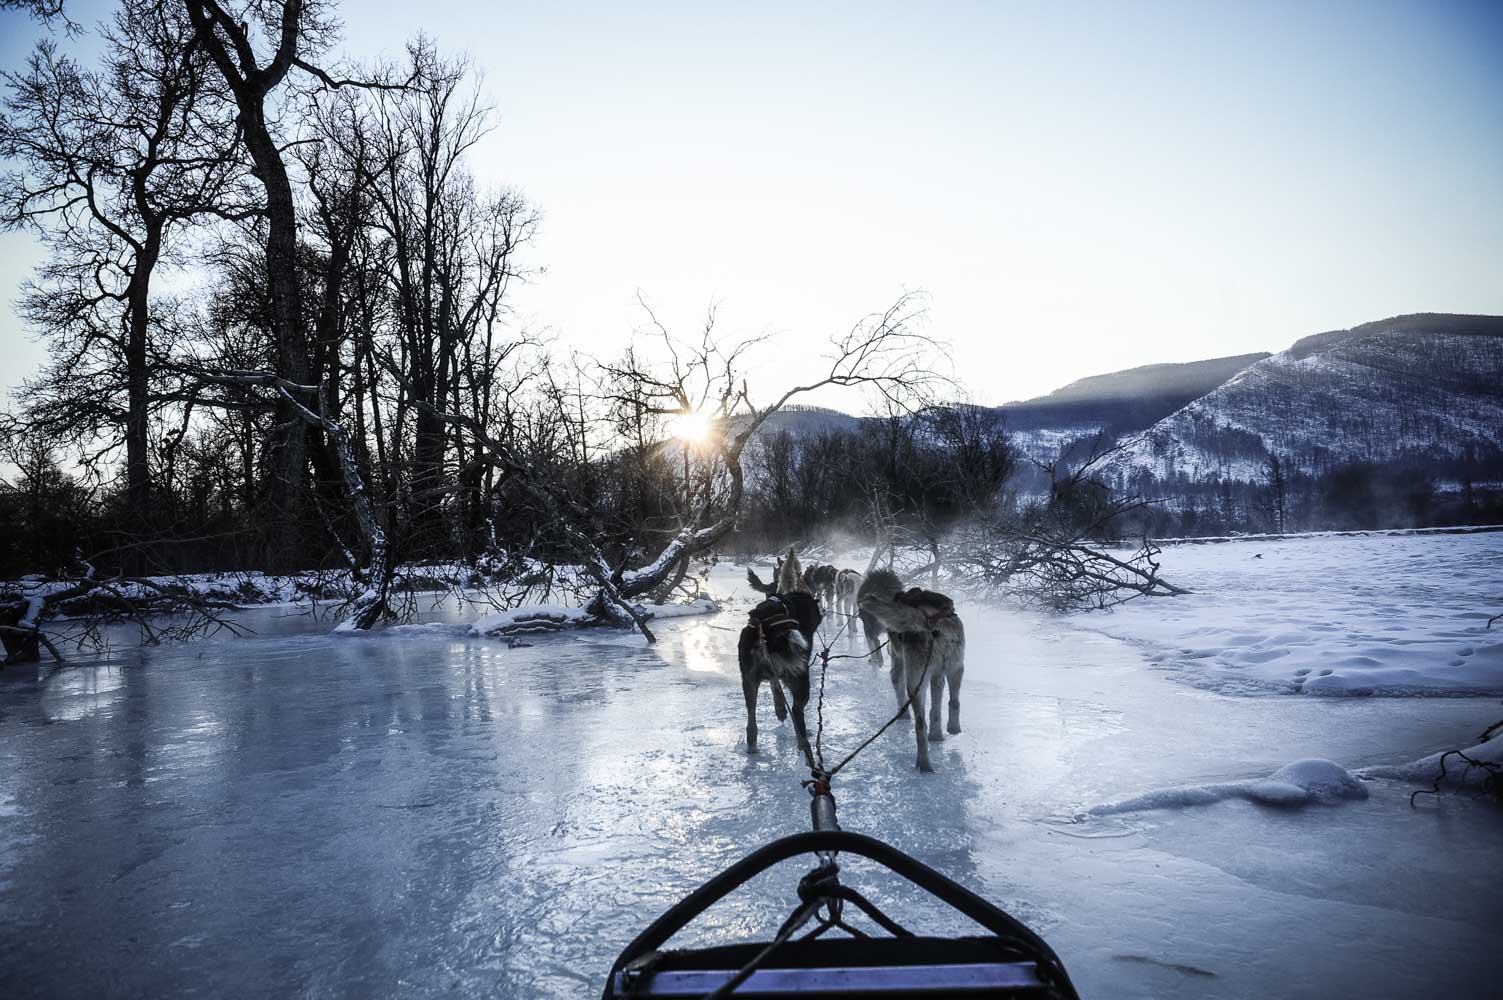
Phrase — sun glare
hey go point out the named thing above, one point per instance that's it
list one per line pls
(691, 428)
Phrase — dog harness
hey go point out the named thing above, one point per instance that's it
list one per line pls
(772, 621)
(932, 621)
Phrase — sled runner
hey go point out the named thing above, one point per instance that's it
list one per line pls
(1009, 961)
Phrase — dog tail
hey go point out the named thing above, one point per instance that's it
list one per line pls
(756, 582)
(798, 663)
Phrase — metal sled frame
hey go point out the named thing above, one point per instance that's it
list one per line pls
(1013, 962)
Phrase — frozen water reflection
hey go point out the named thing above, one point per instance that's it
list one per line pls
(424, 813)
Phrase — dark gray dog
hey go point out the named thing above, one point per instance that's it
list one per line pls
(927, 643)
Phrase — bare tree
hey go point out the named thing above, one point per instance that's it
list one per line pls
(114, 162)
(86, 602)
(287, 32)
(373, 604)
(885, 353)
(452, 257)
(48, 12)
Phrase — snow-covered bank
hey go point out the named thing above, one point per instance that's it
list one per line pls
(248, 589)
(1328, 615)
(83, 599)
(1460, 529)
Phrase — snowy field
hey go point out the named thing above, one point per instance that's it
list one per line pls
(433, 812)
(1397, 614)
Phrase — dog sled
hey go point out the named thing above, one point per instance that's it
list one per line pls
(1009, 960)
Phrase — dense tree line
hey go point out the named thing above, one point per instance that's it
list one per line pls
(216, 206)
(1347, 497)
(925, 473)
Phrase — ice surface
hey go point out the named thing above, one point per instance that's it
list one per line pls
(425, 812)
(1329, 615)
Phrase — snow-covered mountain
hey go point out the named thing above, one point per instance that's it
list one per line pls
(1425, 388)
(1116, 403)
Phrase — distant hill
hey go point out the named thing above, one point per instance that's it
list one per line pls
(809, 420)
(1424, 389)
(1127, 400)
(1114, 404)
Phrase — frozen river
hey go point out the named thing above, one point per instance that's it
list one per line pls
(424, 813)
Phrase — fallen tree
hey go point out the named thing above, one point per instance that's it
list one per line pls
(78, 607)
(1061, 552)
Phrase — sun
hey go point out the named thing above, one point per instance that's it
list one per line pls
(690, 428)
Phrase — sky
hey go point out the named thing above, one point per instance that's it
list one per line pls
(1078, 188)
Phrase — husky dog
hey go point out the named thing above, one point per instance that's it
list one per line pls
(765, 588)
(775, 647)
(847, 583)
(820, 579)
(878, 581)
(927, 642)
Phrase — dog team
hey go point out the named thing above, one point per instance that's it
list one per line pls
(920, 630)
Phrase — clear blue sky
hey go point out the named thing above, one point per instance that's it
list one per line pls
(1080, 187)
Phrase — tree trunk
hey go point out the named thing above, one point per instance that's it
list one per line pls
(137, 441)
(290, 435)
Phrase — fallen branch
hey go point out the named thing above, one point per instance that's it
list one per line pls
(1492, 781)
(94, 603)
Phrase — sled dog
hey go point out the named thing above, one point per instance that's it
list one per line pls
(847, 584)
(767, 589)
(775, 646)
(820, 579)
(926, 641)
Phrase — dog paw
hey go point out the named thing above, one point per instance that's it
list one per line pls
(925, 767)
(936, 735)
(953, 729)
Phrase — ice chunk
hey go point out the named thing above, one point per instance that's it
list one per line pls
(1318, 779)
(1296, 784)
